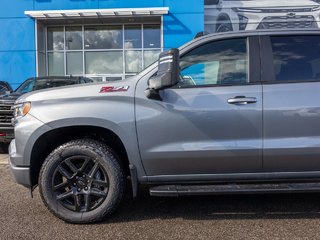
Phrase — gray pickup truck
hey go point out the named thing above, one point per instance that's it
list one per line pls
(225, 113)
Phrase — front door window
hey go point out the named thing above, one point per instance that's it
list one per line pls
(216, 63)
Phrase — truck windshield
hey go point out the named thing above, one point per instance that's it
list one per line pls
(25, 87)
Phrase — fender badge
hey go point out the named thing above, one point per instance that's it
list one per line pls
(114, 89)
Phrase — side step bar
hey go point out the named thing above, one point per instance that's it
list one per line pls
(188, 190)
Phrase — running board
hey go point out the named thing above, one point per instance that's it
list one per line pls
(188, 190)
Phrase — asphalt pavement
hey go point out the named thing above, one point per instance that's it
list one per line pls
(284, 216)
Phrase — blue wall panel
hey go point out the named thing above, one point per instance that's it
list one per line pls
(184, 21)
(65, 4)
(17, 34)
(14, 8)
(17, 43)
(181, 28)
(16, 66)
(130, 3)
(185, 6)
(93, 4)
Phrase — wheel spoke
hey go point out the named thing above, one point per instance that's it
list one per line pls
(77, 202)
(84, 164)
(64, 195)
(100, 183)
(64, 172)
(93, 170)
(71, 166)
(60, 185)
(87, 202)
(98, 193)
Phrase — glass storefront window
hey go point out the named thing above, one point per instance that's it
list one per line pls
(74, 63)
(103, 37)
(133, 61)
(104, 62)
(73, 38)
(150, 56)
(56, 64)
(55, 38)
(105, 51)
(132, 36)
(152, 36)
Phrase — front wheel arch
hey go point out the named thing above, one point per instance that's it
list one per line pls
(50, 140)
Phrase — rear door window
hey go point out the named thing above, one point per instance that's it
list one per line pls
(296, 58)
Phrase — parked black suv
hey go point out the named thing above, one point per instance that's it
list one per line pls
(5, 88)
(31, 84)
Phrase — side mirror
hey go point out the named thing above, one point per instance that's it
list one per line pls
(167, 75)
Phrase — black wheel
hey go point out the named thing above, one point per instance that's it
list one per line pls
(82, 181)
(4, 148)
(225, 26)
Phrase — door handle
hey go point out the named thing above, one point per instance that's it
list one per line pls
(242, 100)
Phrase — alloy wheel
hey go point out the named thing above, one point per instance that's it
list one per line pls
(80, 183)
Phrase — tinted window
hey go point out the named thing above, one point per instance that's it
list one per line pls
(55, 38)
(73, 38)
(296, 58)
(216, 63)
(4, 87)
(85, 80)
(49, 83)
(26, 86)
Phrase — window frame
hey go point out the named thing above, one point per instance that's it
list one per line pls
(267, 65)
(253, 53)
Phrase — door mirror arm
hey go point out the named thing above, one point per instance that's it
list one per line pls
(152, 94)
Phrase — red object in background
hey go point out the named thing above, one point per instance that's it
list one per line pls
(3, 134)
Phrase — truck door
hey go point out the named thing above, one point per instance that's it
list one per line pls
(211, 122)
(291, 66)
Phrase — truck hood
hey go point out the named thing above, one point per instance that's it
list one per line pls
(9, 98)
(120, 88)
(269, 4)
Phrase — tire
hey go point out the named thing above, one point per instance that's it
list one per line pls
(82, 181)
(4, 148)
(224, 27)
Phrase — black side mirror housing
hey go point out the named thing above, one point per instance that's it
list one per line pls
(167, 75)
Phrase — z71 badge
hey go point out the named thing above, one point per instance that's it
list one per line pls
(114, 89)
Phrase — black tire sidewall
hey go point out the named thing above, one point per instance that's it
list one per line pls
(106, 158)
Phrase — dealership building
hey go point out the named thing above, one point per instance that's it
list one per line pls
(109, 40)
(101, 39)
